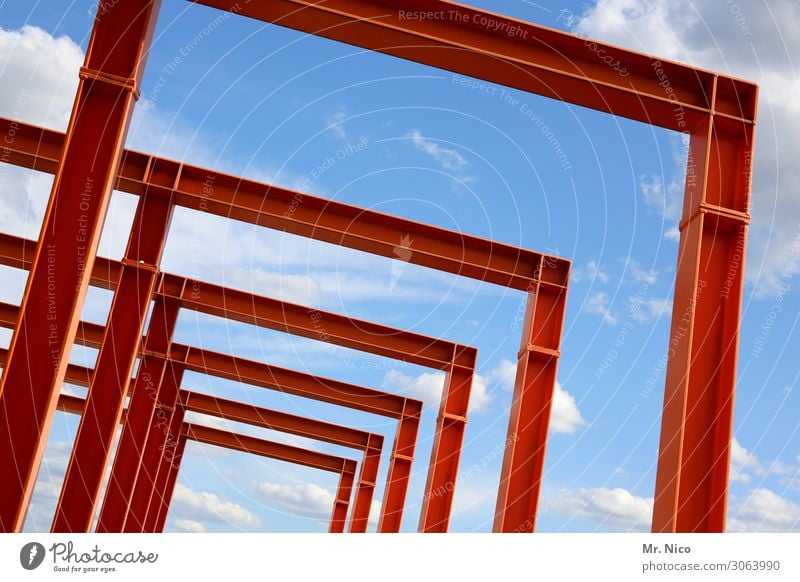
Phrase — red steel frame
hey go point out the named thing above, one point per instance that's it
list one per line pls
(717, 111)
(457, 360)
(204, 361)
(346, 468)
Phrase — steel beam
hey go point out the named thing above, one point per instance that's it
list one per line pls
(282, 452)
(394, 496)
(119, 347)
(717, 111)
(516, 54)
(141, 408)
(406, 410)
(64, 257)
(170, 470)
(368, 443)
(273, 450)
(446, 451)
(457, 360)
(341, 502)
(159, 451)
(523, 462)
(697, 422)
(301, 213)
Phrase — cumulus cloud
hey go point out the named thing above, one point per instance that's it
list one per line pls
(598, 304)
(591, 271)
(745, 465)
(763, 510)
(304, 499)
(428, 387)
(565, 416)
(188, 526)
(616, 509)
(203, 506)
(40, 76)
(742, 461)
(636, 273)
(644, 310)
(756, 41)
(504, 374)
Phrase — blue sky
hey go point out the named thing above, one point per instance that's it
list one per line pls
(275, 105)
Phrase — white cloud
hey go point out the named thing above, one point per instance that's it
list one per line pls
(760, 43)
(203, 506)
(428, 387)
(745, 465)
(565, 417)
(666, 199)
(591, 271)
(504, 374)
(305, 498)
(287, 287)
(673, 234)
(335, 124)
(616, 508)
(375, 512)
(39, 74)
(644, 310)
(763, 510)
(447, 158)
(639, 274)
(598, 304)
(189, 526)
(742, 461)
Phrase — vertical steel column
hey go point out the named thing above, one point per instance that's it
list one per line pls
(342, 501)
(529, 421)
(141, 408)
(696, 429)
(51, 305)
(394, 496)
(174, 456)
(365, 489)
(160, 446)
(450, 426)
(109, 384)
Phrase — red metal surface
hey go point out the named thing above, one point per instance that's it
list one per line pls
(141, 408)
(163, 464)
(717, 111)
(282, 452)
(108, 388)
(366, 336)
(158, 521)
(370, 444)
(67, 246)
(697, 424)
(288, 453)
(303, 214)
(535, 59)
(523, 465)
(162, 432)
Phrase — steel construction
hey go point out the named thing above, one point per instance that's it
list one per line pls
(346, 468)
(182, 357)
(716, 111)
